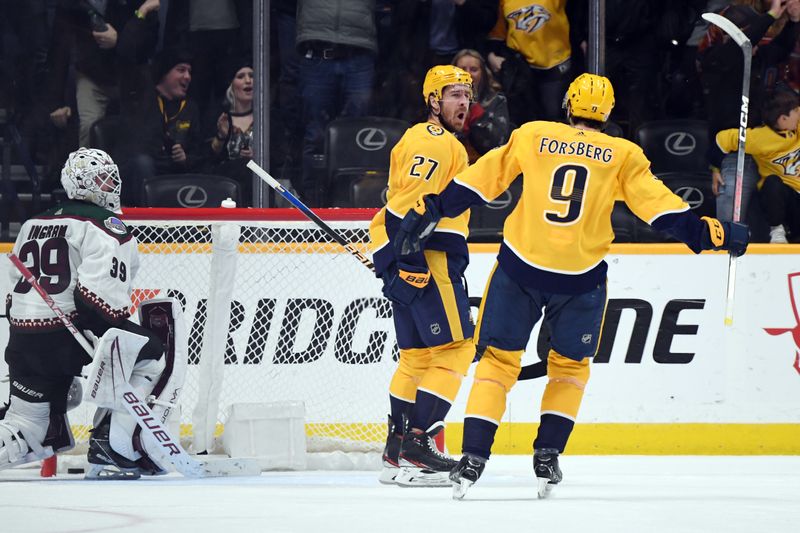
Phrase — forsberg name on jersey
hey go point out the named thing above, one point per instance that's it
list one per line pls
(576, 148)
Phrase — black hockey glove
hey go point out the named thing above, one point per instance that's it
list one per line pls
(730, 236)
(404, 283)
(417, 226)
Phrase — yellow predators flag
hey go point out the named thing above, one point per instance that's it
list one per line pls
(539, 31)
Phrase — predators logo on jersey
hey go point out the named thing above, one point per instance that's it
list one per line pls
(435, 130)
(790, 163)
(529, 18)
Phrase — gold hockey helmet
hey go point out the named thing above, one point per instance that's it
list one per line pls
(441, 76)
(590, 96)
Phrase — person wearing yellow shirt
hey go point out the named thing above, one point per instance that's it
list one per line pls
(775, 146)
(551, 263)
(430, 305)
(531, 53)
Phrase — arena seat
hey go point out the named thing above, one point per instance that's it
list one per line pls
(355, 146)
(105, 134)
(694, 188)
(190, 190)
(674, 145)
(486, 222)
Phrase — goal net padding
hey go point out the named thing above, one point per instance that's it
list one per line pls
(275, 311)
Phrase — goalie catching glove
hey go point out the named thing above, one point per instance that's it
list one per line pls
(730, 236)
(417, 226)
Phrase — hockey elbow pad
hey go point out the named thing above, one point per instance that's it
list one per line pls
(730, 236)
(417, 225)
(405, 285)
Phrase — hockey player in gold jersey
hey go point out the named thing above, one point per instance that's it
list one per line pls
(552, 260)
(430, 303)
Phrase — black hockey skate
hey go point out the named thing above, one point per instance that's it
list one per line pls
(391, 456)
(546, 470)
(104, 462)
(421, 462)
(465, 474)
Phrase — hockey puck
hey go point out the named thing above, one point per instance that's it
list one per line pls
(75, 471)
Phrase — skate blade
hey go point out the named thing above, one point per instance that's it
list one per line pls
(545, 487)
(460, 488)
(111, 473)
(417, 477)
(388, 475)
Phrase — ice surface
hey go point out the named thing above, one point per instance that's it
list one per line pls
(599, 494)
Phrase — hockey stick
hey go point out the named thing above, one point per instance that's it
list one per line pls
(292, 199)
(140, 411)
(532, 371)
(747, 51)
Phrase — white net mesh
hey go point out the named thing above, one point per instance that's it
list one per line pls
(307, 323)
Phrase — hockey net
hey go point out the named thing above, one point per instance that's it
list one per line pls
(307, 321)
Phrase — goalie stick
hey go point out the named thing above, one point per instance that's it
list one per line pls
(140, 411)
(747, 51)
(532, 371)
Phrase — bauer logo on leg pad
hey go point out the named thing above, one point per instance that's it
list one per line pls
(145, 416)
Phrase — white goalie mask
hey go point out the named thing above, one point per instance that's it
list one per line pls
(91, 175)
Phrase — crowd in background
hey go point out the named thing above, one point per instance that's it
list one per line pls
(167, 86)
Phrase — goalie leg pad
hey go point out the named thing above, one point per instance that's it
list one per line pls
(22, 432)
(158, 380)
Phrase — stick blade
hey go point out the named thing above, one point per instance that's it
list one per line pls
(235, 467)
(728, 27)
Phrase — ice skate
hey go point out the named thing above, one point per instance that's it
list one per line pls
(391, 453)
(421, 463)
(546, 470)
(104, 462)
(465, 474)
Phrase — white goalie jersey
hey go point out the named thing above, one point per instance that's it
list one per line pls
(77, 251)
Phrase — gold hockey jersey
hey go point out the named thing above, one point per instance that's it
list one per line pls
(537, 30)
(571, 178)
(775, 152)
(424, 161)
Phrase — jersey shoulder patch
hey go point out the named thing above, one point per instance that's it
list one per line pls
(435, 130)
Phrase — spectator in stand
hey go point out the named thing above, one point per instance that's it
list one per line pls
(104, 38)
(286, 148)
(423, 34)
(775, 146)
(532, 56)
(163, 135)
(337, 44)
(231, 146)
(487, 125)
(213, 41)
(721, 74)
(634, 58)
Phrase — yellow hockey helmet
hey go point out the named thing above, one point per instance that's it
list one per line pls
(590, 96)
(441, 76)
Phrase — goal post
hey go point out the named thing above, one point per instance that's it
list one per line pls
(304, 322)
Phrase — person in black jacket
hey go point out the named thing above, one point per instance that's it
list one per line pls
(420, 37)
(163, 135)
(105, 41)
